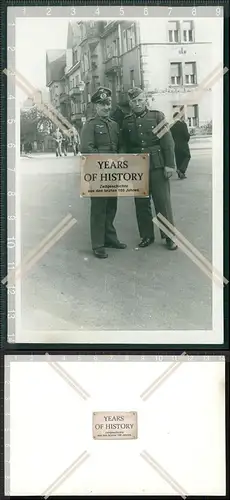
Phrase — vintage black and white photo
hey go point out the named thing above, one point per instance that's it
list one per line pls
(103, 270)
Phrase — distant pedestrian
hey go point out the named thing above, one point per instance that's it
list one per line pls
(75, 141)
(65, 143)
(181, 138)
(58, 139)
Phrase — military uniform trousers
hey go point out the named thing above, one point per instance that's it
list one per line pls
(159, 190)
(103, 212)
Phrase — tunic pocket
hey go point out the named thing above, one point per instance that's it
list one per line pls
(157, 160)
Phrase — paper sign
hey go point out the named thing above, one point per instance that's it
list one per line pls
(104, 175)
(115, 425)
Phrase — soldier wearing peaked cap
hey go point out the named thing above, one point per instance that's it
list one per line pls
(138, 136)
(100, 134)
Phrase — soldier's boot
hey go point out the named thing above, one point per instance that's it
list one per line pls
(116, 244)
(170, 244)
(145, 242)
(100, 253)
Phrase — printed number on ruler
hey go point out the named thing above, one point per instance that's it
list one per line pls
(73, 11)
(11, 315)
(11, 48)
(11, 120)
(11, 96)
(48, 11)
(11, 145)
(194, 11)
(122, 12)
(169, 11)
(97, 11)
(146, 12)
(218, 11)
(11, 242)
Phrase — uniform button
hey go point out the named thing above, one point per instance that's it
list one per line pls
(140, 125)
(141, 133)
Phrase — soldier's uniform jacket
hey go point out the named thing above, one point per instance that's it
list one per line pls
(100, 135)
(137, 137)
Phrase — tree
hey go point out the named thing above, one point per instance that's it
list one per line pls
(34, 125)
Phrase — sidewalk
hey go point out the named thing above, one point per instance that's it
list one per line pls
(38, 156)
(196, 142)
(200, 142)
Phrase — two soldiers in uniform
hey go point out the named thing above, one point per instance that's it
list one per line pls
(100, 134)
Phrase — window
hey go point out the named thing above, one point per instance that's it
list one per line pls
(131, 37)
(173, 32)
(177, 108)
(78, 107)
(108, 52)
(192, 115)
(85, 63)
(75, 56)
(92, 24)
(124, 42)
(77, 80)
(132, 78)
(190, 73)
(187, 31)
(176, 73)
(83, 31)
(88, 92)
(115, 47)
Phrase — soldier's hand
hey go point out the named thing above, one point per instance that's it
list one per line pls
(168, 171)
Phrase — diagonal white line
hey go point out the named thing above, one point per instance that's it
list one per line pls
(164, 474)
(65, 474)
(69, 379)
(167, 373)
(191, 247)
(35, 251)
(187, 252)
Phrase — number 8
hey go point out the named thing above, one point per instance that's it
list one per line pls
(146, 11)
(194, 11)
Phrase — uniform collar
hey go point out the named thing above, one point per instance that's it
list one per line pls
(141, 115)
(103, 118)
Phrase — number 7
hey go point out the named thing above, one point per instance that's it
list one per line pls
(170, 10)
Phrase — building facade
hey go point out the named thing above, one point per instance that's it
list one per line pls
(167, 58)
